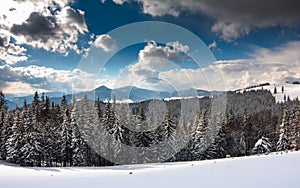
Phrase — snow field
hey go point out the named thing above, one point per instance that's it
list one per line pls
(273, 170)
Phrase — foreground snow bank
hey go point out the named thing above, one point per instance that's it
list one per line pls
(274, 170)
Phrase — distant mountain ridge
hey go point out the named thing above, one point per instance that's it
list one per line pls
(131, 93)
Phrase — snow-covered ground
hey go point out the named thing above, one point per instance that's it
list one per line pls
(273, 170)
(291, 90)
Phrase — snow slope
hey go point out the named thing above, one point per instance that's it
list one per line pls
(274, 170)
(291, 90)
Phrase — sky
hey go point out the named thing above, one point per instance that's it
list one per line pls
(77, 45)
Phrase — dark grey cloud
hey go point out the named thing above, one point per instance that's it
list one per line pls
(53, 32)
(233, 18)
(2, 42)
(51, 25)
(37, 28)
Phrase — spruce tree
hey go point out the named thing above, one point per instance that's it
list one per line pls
(3, 128)
(283, 141)
(294, 128)
(263, 145)
(200, 141)
(15, 141)
(66, 139)
(79, 157)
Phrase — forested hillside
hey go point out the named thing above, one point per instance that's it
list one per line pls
(48, 134)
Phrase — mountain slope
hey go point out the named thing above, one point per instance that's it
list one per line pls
(289, 90)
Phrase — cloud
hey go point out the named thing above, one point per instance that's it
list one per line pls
(154, 57)
(212, 45)
(275, 66)
(233, 18)
(264, 65)
(51, 25)
(106, 43)
(9, 52)
(36, 28)
(230, 31)
(35, 78)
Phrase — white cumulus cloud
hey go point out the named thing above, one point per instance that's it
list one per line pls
(106, 43)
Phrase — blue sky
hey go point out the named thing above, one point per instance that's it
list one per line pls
(45, 45)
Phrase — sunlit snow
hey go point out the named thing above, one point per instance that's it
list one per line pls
(273, 170)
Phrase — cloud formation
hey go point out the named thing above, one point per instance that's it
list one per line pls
(51, 25)
(26, 80)
(233, 18)
(10, 52)
(106, 43)
(154, 57)
(275, 66)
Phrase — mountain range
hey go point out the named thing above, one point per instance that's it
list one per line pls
(128, 93)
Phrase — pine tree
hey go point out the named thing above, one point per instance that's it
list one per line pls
(52, 129)
(200, 141)
(45, 114)
(36, 137)
(79, 157)
(27, 151)
(166, 137)
(263, 145)
(3, 128)
(247, 137)
(66, 139)
(143, 138)
(294, 128)
(15, 141)
(283, 142)
(231, 140)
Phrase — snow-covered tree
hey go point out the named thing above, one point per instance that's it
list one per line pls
(79, 157)
(30, 150)
(15, 141)
(3, 127)
(200, 138)
(247, 137)
(65, 140)
(263, 145)
(295, 128)
(283, 141)
(51, 147)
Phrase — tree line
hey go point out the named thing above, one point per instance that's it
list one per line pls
(91, 133)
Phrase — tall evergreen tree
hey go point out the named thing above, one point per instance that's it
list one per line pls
(200, 140)
(283, 141)
(15, 141)
(79, 157)
(66, 139)
(3, 128)
(295, 128)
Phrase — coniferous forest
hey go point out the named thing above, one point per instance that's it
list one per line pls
(76, 133)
